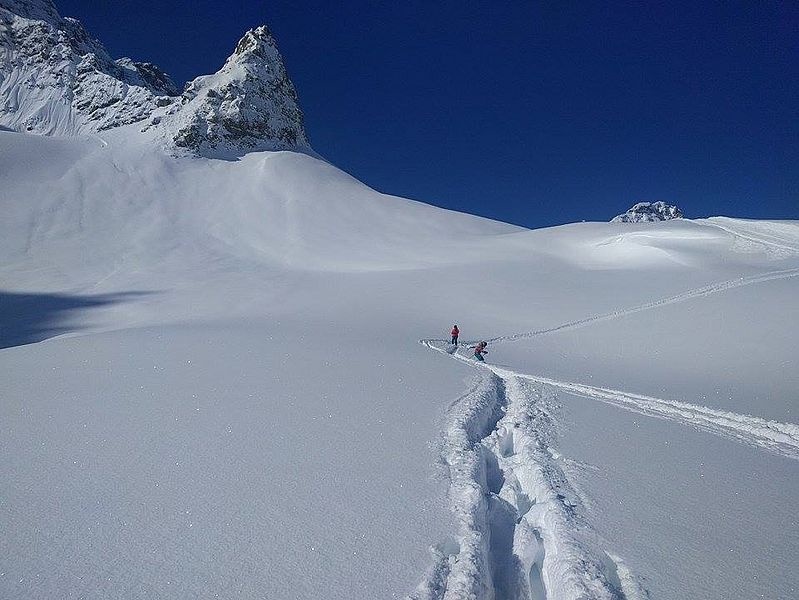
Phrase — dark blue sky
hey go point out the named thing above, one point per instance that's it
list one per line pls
(533, 113)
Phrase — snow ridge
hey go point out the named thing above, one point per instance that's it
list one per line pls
(778, 239)
(521, 533)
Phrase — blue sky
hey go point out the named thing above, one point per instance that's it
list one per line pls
(532, 113)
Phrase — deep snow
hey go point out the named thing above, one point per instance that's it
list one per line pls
(213, 385)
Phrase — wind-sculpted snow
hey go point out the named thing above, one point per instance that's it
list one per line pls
(238, 339)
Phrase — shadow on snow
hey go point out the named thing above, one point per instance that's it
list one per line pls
(30, 318)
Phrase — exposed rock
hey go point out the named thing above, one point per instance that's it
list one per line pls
(649, 211)
(249, 104)
(55, 79)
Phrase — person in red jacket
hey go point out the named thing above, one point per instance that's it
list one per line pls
(455, 333)
(479, 350)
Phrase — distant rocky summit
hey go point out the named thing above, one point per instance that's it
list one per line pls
(649, 211)
(249, 104)
(55, 79)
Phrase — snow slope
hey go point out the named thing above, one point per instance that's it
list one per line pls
(213, 386)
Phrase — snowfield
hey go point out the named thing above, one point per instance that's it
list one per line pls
(213, 386)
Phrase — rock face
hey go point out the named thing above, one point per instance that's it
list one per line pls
(55, 79)
(249, 104)
(649, 211)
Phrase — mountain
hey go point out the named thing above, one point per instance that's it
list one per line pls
(231, 378)
(55, 79)
(249, 104)
(649, 212)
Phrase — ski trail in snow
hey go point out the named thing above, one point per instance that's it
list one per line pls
(521, 534)
(774, 436)
(521, 531)
(707, 290)
(785, 244)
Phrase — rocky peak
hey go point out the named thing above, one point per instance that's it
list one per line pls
(55, 78)
(649, 211)
(249, 104)
(256, 43)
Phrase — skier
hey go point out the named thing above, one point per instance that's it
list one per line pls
(455, 333)
(479, 350)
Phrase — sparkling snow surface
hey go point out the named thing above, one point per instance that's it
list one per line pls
(213, 386)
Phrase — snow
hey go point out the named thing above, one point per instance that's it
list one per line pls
(189, 461)
(213, 385)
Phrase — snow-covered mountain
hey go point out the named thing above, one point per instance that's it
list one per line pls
(213, 383)
(249, 104)
(647, 212)
(55, 79)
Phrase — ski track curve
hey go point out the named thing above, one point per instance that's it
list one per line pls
(707, 290)
(783, 246)
(774, 436)
(521, 533)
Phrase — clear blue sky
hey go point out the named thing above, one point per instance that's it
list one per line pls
(532, 113)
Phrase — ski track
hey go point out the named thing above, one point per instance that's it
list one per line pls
(521, 534)
(774, 436)
(688, 295)
(780, 246)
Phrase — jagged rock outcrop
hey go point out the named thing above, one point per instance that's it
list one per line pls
(249, 104)
(649, 211)
(55, 79)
